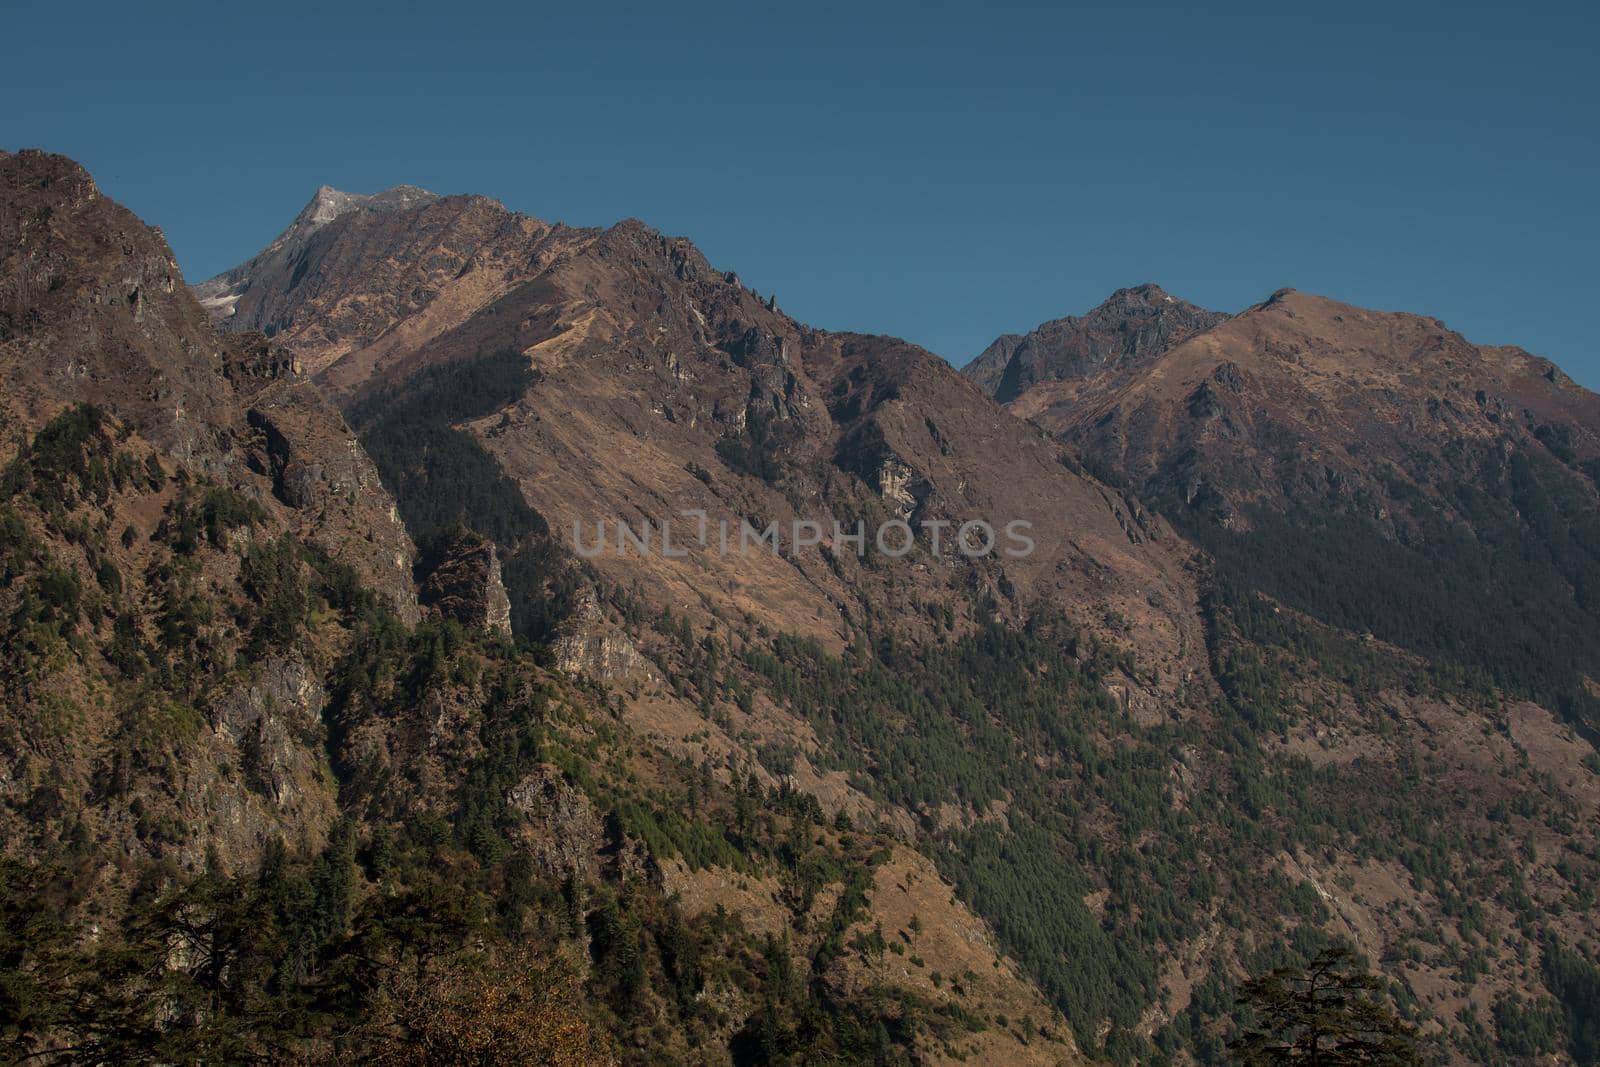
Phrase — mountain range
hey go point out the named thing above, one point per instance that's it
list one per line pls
(325, 738)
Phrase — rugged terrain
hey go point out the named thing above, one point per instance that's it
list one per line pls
(504, 797)
(1380, 501)
(651, 383)
(1093, 741)
(259, 804)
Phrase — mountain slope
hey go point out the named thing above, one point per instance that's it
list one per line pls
(1448, 488)
(96, 312)
(1147, 778)
(656, 383)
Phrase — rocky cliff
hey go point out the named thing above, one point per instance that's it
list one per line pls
(466, 584)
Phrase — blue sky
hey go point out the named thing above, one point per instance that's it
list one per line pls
(944, 172)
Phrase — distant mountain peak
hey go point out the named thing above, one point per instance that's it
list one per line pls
(220, 295)
(1129, 328)
(330, 203)
(1147, 292)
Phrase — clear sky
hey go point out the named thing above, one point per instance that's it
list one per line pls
(944, 172)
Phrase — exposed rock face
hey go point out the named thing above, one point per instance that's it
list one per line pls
(563, 832)
(268, 720)
(591, 646)
(255, 362)
(319, 470)
(497, 606)
(466, 584)
(1132, 327)
(895, 481)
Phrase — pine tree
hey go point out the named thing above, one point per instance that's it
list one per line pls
(1326, 1014)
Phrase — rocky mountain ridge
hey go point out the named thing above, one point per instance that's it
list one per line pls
(220, 295)
(628, 333)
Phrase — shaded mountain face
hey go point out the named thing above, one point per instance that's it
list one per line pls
(1146, 770)
(1131, 328)
(1374, 469)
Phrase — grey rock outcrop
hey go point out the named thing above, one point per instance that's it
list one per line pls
(563, 833)
(589, 645)
(466, 584)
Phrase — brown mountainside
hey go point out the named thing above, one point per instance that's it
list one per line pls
(1311, 443)
(1153, 759)
(659, 384)
(1301, 382)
